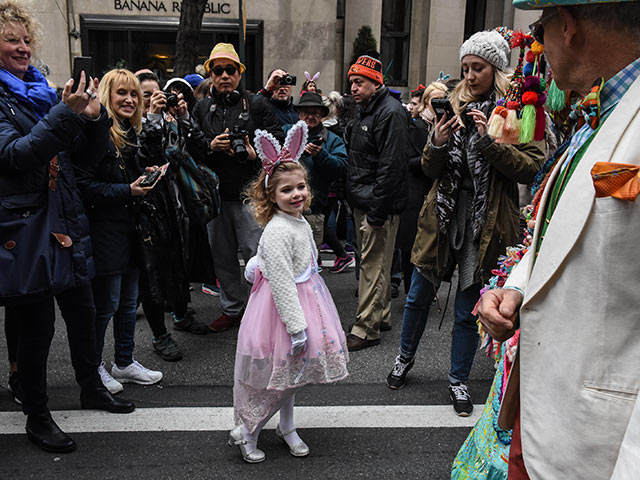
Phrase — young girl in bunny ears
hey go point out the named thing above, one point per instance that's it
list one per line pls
(290, 334)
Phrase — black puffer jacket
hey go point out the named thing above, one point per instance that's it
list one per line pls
(377, 173)
(212, 115)
(27, 144)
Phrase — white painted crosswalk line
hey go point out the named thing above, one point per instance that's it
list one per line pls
(202, 419)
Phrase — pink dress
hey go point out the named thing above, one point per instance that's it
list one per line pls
(265, 370)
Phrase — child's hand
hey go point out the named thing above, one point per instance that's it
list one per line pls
(298, 343)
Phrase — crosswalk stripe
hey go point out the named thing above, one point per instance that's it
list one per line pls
(202, 419)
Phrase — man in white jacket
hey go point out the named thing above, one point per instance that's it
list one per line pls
(576, 293)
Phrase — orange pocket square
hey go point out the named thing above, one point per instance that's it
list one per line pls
(617, 180)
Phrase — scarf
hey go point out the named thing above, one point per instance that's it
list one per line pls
(464, 153)
(33, 90)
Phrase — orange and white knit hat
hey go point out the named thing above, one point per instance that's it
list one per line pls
(367, 67)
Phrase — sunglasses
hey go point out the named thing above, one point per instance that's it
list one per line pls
(230, 69)
(537, 28)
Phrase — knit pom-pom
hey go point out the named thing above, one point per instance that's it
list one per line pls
(531, 83)
(528, 69)
(527, 124)
(513, 105)
(501, 102)
(537, 48)
(530, 57)
(542, 97)
(529, 98)
(540, 123)
(496, 122)
(543, 85)
(556, 98)
(517, 38)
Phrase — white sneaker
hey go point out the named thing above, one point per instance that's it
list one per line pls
(136, 373)
(108, 381)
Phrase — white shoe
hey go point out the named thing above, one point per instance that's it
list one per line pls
(108, 381)
(136, 373)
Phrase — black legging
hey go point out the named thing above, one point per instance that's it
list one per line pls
(11, 329)
(330, 236)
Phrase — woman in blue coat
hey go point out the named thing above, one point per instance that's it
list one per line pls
(33, 132)
(110, 187)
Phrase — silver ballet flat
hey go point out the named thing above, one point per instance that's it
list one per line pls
(299, 449)
(236, 438)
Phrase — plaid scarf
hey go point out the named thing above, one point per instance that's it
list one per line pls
(463, 153)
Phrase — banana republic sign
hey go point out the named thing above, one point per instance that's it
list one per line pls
(166, 6)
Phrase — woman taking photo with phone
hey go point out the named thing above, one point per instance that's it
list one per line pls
(110, 187)
(470, 215)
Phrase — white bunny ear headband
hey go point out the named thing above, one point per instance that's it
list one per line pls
(310, 78)
(272, 155)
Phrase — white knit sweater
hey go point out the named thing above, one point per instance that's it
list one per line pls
(284, 253)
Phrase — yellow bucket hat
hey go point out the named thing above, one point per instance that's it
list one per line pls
(224, 50)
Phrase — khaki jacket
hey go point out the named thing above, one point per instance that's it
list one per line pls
(510, 165)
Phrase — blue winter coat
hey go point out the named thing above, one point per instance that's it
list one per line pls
(27, 144)
(326, 167)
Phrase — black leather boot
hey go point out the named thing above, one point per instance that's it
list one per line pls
(99, 398)
(43, 431)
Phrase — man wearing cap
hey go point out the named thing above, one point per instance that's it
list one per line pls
(229, 109)
(280, 97)
(572, 395)
(324, 157)
(377, 191)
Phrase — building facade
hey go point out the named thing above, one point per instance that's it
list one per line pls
(417, 38)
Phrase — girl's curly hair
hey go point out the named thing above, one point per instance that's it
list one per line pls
(262, 200)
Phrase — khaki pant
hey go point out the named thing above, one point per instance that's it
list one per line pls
(376, 246)
(316, 221)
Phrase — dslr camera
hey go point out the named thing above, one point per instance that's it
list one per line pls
(287, 80)
(236, 137)
(172, 100)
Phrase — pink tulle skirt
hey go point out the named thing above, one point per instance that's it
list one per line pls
(265, 370)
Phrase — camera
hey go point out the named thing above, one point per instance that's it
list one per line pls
(287, 79)
(172, 100)
(236, 137)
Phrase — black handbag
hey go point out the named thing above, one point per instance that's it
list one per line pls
(35, 252)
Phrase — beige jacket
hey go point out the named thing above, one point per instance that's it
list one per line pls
(580, 318)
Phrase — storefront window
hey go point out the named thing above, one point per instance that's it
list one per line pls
(117, 42)
(394, 41)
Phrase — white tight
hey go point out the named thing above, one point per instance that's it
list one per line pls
(285, 407)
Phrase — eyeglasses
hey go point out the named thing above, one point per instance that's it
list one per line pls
(537, 28)
(313, 113)
(230, 69)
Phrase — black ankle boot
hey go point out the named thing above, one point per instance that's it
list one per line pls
(43, 431)
(99, 398)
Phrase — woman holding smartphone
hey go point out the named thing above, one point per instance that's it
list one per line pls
(112, 195)
(470, 214)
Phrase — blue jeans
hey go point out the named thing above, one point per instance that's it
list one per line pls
(465, 331)
(117, 296)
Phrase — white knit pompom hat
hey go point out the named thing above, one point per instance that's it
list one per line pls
(489, 45)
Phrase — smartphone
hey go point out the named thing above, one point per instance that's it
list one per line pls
(442, 106)
(318, 141)
(81, 64)
(150, 179)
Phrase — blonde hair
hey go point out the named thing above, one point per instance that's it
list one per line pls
(428, 92)
(12, 11)
(261, 198)
(111, 81)
(462, 96)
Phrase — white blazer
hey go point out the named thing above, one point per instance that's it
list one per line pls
(580, 318)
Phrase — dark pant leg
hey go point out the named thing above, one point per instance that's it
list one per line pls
(153, 312)
(106, 295)
(36, 328)
(11, 329)
(416, 313)
(124, 320)
(331, 239)
(407, 269)
(465, 333)
(79, 314)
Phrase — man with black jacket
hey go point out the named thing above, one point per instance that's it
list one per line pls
(228, 120)
(377, 191)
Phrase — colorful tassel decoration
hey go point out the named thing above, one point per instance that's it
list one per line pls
(496, 122)
(527, 123)
(556, 98)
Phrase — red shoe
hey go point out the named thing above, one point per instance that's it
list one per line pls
(224, 322)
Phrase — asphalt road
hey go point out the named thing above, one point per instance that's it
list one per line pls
(388, 447)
